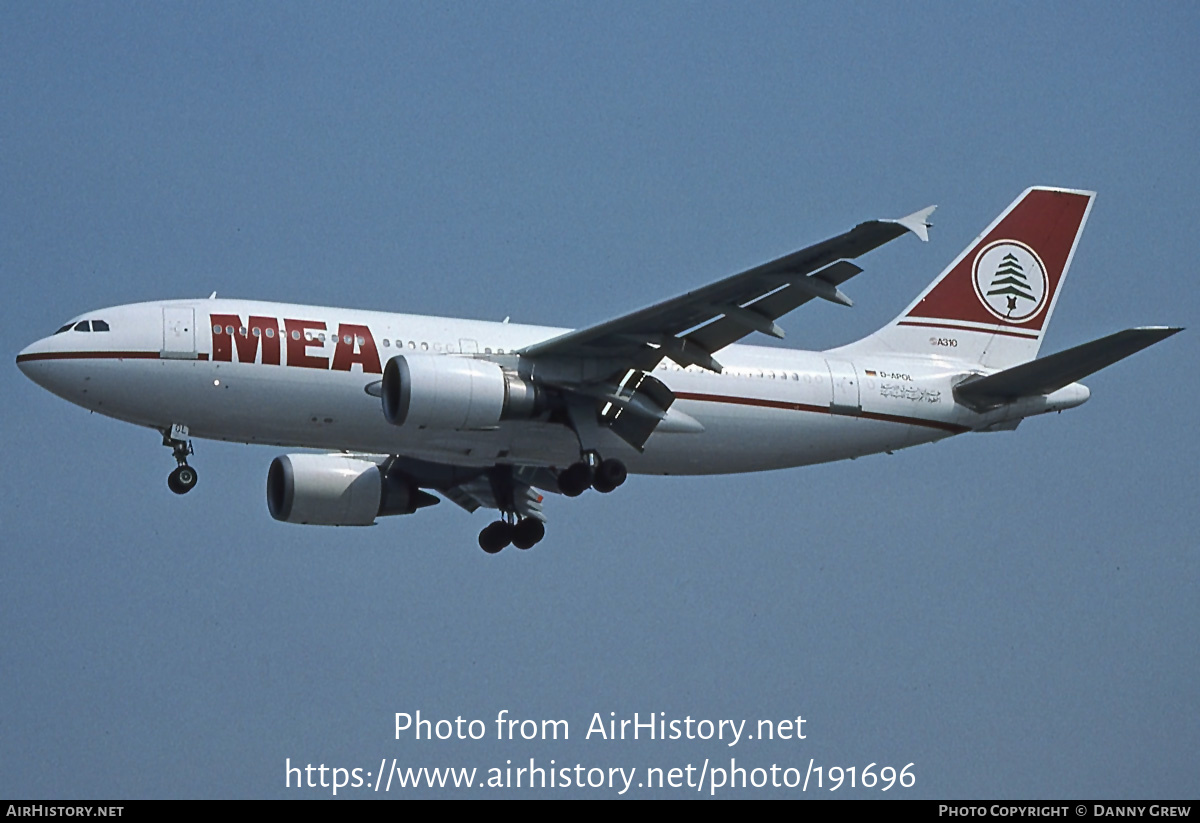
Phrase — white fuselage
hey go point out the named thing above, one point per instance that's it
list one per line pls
(304, 376)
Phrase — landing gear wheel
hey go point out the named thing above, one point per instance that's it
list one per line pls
(609, 474)
(495, 536)
(575, 479)
(182, 480)
(528, 533)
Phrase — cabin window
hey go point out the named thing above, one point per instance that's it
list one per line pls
(270, 332)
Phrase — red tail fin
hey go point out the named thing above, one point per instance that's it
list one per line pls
(993, 303)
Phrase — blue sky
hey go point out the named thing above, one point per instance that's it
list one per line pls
(1014, 613)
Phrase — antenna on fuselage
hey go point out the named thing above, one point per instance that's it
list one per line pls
(212, 296)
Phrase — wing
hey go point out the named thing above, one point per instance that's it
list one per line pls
(507, 488)
(689, 329)
(482, 492)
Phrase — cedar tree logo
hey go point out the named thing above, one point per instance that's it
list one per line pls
(1011, 281)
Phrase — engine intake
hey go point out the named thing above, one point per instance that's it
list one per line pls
(443, 392)
(337, 490)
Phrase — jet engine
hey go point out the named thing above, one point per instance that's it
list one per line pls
(337, 490)
(440, 392)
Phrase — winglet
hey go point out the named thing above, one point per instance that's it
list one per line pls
(917, 222)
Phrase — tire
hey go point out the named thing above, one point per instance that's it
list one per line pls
(528, 533)
(182, 480)
(609, 474)
(495, 536)
(575, 479)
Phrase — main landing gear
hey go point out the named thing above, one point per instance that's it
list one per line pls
(524, 533)
(183, 479)
(591, 472)
(520, 513)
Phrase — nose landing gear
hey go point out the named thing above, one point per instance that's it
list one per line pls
(183, 479)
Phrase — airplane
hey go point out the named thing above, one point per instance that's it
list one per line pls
(491, 415)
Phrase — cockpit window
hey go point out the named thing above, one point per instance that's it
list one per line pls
(85, 325)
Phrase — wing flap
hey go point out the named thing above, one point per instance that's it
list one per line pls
(730, 328)
(484, 492)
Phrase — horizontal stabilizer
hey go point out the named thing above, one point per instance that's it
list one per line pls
(1049, 374)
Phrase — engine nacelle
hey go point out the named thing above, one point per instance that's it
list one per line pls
(441, 392)
(337, 490)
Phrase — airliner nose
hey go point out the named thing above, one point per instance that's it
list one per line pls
(35, 363)
(25, 359)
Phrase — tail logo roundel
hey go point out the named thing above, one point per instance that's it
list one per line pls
(1010, 280)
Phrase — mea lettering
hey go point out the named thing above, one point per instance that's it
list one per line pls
(354, 343)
